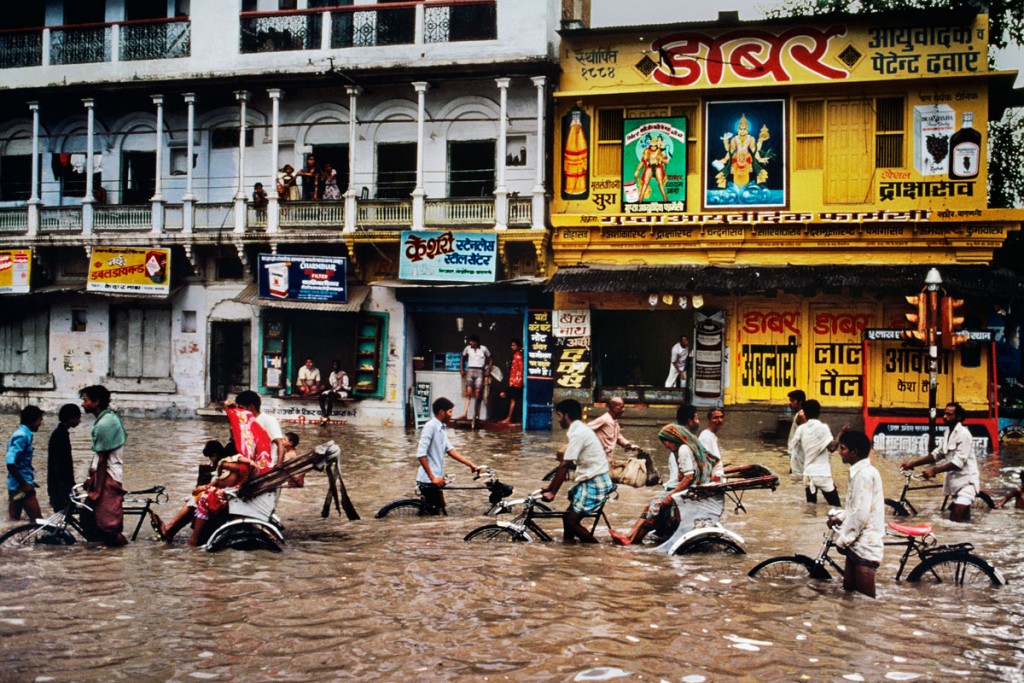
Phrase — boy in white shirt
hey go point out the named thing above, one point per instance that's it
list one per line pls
(862, 529)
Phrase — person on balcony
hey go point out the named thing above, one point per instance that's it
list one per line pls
(310, 175)
(329, 183)
(259, 197)
(287, 184)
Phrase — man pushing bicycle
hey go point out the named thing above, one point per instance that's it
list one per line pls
(433, 446)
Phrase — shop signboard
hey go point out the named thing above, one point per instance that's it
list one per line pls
(421, 399)
(130, 271)
(708, 357)
(15, 271)
(571, 323)
(448, 256)
(539, 347)
(303, 278)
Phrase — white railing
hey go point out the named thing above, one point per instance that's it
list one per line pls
(520, 213)
(215, 216)
(477, 212)
(122, 218)
(14, 220)
(255, 218)
(60, 219)
(380, 213)
(322, 214)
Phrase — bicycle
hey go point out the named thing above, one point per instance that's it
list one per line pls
(954, 564)
(901, 507)
(524, 527)
(57, 529)
(420, 507)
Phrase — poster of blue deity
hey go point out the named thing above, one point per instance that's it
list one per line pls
(745, 155)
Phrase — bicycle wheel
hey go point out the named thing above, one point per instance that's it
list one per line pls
(897, 508)
(35, 534)
(957, 570)
(711, 544)
(550, 475)
(244, 538)
(789, 568)
(410, 507)
(494, 533)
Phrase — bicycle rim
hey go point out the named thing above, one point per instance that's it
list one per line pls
(964, 571)
(492, 533)
(35, 534)
(712, 544)
(782, 569)
(403, 508)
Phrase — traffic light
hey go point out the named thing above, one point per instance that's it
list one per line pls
(919, 320)
(951, 322)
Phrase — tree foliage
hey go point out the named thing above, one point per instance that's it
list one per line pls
(1006, 175)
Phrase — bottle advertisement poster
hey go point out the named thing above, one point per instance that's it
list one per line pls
(134, 271)
(303, 278)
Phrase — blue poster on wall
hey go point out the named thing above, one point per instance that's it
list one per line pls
(303, 278)
(449, 256)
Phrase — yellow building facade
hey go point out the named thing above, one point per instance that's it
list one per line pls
(780, 186)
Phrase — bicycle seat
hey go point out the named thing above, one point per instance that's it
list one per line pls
(921, 530)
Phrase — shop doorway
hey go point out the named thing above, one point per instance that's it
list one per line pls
(633, 348)
(229, 359)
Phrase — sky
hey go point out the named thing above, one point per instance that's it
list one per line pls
(633, 12)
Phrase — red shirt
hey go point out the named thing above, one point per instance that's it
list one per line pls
(515, 373)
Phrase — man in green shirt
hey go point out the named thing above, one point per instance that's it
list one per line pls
(106, 474)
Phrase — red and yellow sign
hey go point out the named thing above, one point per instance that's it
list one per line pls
(130, 271)
(15, 271)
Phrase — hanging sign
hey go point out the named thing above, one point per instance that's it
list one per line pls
(448, 256)
(303, 278)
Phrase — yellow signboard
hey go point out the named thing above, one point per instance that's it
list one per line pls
(15, 271)
(130, 271)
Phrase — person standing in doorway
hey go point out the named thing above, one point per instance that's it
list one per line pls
(475, 368)
(21, 482)
(60, 466)
(514, 393)
(678, 363)
(105, 485)
(311, 179)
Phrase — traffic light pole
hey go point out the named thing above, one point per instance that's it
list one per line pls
(933, 356)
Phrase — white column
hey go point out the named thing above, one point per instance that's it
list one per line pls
(158, 196)
(240, 209)
(273, 205)
(325, 30)
(419, 24)
(115, 43)
(350, 193)
(33, 200)
(87, 201)
(501, 192)
(538, 157)
(419, 194)
(188, 201)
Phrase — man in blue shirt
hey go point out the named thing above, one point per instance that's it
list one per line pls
(433, 446)
(21, 482)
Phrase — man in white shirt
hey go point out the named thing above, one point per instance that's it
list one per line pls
(309, 379)
(592, 481)
(709, 440)
(475, 368)
(796, 406)
(251, 401)
(812, 443)
(955, 456)
(677, 364)
(862, 528)
(337, 387)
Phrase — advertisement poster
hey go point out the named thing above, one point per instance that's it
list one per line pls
(573, 368)
(539, 345)
(745, 157)
(708, 357)
(448, 256)
(571, 323)
(303, 278)
(15, 271)
(135, 271)
(576, 155)
(654, 165)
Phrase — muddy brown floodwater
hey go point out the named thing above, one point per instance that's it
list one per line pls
(409, 600)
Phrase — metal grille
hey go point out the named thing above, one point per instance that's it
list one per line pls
(281, 33)
(80, 45)
(21, 49)
(165, 40)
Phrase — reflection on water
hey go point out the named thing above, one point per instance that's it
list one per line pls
(380, 599)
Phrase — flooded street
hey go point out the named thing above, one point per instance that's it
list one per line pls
(393, 599)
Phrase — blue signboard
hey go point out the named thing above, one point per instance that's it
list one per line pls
(449, 256)
(302, 278)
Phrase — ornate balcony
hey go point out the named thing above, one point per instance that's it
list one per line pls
(60, 220)
(322, 214)
(161, 39)
(384, 213)
(13, 220)
(21, 48)
(520, 212)
(281, 31)
(461, 212)
(122, 218)
(215, 217)
(80, 44)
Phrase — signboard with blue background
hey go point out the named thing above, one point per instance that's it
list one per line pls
(448, 256)
(303, 278)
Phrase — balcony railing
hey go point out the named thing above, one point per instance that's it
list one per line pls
(520, 213)
(312, 215)
(281, 31)
(460, 211)
(161, 39)
(174, 217)
(14, 220)
(62, 219)
(91, 43)
(21, 48)
(215, 216)
(256, 218)
(122, 218)
(384, 213)
(450, 23)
